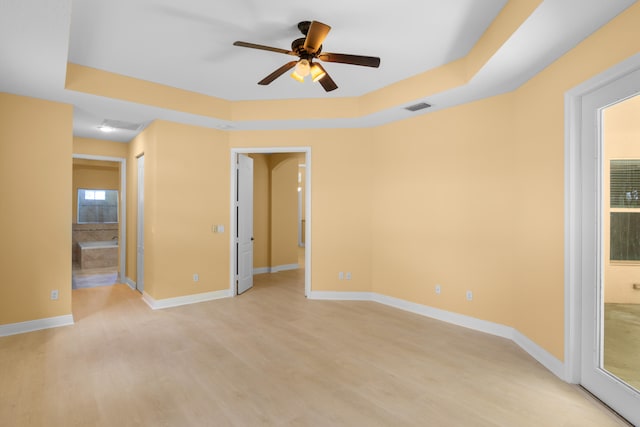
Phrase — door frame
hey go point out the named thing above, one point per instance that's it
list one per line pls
(122, 232)
(308, 246)
(579, 149)
(139, 219)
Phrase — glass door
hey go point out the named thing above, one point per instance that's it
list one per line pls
(611, 270)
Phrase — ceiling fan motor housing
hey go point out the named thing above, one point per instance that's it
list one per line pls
(297, 46)
(303, 26)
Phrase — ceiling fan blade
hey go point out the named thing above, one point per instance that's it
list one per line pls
(327, 83)
(367, 61)
(316, 35)
(277, 73)
(263, 47)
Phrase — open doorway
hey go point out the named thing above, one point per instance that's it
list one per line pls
(98, 221)
(280, 181)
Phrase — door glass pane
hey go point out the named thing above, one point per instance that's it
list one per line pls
(620, 302)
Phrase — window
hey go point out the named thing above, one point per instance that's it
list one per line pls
(95, 195)
(97, 206)
(625, 210)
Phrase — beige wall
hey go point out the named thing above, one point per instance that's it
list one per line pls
(284, 210)
(35, 194)
(341, 200)
(100, 147)
(186, 192)
(539, 156)
(275, 209)
(470, 198)
(621, 130)
(261, 211)
(442, 209)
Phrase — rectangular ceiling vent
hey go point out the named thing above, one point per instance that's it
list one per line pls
(119, 124)
(417, 107)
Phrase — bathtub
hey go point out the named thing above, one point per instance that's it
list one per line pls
(98, 254)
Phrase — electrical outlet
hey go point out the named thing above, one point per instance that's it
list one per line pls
(438, 289)
(348, 275)
(469, 296)
(196, 277)
(341, 276)
(54, 294)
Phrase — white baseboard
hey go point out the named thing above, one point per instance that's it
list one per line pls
(341, 296)
(545, 358)
(538, 353)
(184, 300)
(35, 325)
(447, 316)
(130, 283)
(284, 267)
(275, 269)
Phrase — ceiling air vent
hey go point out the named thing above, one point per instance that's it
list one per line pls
(119, 124)
(419, 106)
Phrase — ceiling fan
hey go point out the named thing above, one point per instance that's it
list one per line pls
(308, 49)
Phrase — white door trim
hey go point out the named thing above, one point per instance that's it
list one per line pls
(139, 283)
(308, 246)
(122, 238)
(575, 155)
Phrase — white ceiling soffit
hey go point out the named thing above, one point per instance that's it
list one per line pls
(189, 45)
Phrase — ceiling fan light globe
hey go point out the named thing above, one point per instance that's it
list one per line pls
(297, 77)
(317, 72)
(302, 68)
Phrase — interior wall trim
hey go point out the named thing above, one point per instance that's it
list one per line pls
(275, 268)
(130, 283)
(341, 296)
(184, 300)
(534, 350)
(35, 325)
(545, 358)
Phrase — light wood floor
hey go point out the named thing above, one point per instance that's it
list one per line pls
(271, 357)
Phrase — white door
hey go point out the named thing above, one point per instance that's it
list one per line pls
(619, 391)
(140, 226)
(244, 223)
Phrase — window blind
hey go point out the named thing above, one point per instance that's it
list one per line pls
(625, 183)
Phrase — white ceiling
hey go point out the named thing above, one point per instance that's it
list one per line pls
(188, 45)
